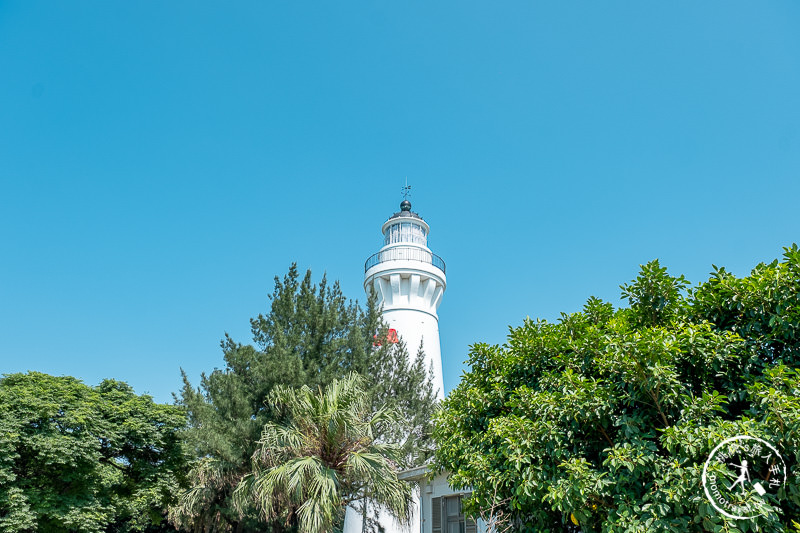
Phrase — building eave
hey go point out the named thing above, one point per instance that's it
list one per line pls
(418, 473)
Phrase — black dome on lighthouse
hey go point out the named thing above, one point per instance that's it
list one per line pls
(405, 211)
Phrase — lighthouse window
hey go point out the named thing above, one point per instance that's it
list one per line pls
(418, 233)
(392, 234)
(405, 232)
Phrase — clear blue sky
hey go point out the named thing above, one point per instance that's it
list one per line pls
(162, 161)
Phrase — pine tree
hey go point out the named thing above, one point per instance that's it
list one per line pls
(311, 335)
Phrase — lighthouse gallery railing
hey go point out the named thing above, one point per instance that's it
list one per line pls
(405, 253)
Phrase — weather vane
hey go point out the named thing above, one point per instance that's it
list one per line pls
(406, 191)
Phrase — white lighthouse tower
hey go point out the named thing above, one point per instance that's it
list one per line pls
(409, 281)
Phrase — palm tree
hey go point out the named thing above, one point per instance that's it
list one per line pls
(200, 508)
(325, 457)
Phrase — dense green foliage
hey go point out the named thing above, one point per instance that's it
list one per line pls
(324, 457)
(607, 416)
(81, 458)
(311, 335)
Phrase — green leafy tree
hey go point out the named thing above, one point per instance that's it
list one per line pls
(325, 456)
(81, 458)
(603, 421)
(311, 335)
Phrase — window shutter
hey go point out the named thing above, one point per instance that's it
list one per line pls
(472, 527)
(436, 515)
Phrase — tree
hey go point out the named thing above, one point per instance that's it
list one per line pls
(603, 421)
(311, 335)
(323, 457)
(395, 382)
(81, 458)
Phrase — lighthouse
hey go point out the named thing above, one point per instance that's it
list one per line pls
(409, 281)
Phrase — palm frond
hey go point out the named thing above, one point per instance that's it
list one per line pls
(325, 457)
